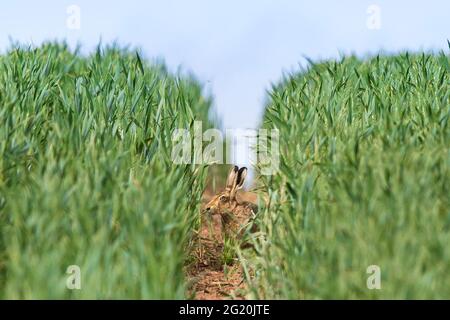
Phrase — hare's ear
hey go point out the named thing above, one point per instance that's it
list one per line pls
(232, 178)
(240, 178)
(242, 173)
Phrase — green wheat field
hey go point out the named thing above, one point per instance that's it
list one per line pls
(86, 178)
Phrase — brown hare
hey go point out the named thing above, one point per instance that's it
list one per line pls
(235, 214)
(224, 217)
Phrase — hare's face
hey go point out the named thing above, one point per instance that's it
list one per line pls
(219, 203)
(227, 199)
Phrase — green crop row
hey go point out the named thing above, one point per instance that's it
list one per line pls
(364, 180)
(86, 176)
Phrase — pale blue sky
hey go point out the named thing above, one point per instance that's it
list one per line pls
(237, 48)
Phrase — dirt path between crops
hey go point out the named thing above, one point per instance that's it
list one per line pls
(209, 277)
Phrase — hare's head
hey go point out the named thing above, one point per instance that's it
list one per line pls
(227, 198)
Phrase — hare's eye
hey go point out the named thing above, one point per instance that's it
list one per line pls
(223, 198)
